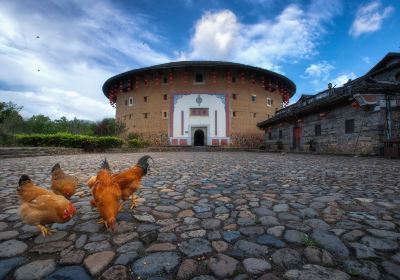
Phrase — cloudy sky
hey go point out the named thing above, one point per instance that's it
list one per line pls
(56, 55)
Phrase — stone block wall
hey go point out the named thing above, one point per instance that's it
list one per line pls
(367, 138)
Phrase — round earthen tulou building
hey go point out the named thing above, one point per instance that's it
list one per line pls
(198, 102)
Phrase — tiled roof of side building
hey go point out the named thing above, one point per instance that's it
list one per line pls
(364, 84)
(200, 63)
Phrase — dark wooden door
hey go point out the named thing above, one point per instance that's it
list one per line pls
(296, 137)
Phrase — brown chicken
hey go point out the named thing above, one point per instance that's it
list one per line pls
(129, 180)
(62, 183)
(106, 196)
(40, 207)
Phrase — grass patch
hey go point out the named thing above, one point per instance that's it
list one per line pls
(309, 242)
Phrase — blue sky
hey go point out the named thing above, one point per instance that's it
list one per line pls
(55, 55)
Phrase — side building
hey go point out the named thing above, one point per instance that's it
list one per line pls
(361, 117)
(198, 102)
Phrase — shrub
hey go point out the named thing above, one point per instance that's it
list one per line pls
(132, 135)
(88, 143)
(137, 143)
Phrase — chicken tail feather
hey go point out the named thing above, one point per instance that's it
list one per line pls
(55, 167)
(105, 165)
(23, 180)
(143, 162)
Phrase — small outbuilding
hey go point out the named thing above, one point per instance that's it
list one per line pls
(360, 117)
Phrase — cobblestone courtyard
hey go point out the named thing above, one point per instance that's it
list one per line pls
(216, 215)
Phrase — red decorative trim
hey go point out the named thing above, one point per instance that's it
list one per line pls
(215, 142)
(183, 142)
(227, 115)
(224, 142)
(174, 142)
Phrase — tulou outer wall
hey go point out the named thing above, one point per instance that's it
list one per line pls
(244, 113)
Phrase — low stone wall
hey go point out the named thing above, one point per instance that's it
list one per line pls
(16, 152)
(247, 140)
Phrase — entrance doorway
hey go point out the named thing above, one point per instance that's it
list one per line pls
(199, 136)
(296, 137)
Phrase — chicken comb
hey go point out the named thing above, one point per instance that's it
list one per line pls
(105, 165)
(24, 178)
(56, 166)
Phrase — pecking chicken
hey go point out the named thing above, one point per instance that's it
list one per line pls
(129, 180)
(62, 183)
(106, 196)
(40, 207)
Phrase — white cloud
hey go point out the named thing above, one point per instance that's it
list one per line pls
(320, 70)
(369, 18)
(80, 45)
(292, 35)
(56, 103)
(343, 78)
(366, 59)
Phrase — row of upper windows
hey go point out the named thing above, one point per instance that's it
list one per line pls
(193, 112)
(164, 116)
(348, 128)
(129, 101)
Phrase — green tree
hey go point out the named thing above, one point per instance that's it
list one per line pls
(109, 127)
(40, 124)
(61, 125)
(11, 122)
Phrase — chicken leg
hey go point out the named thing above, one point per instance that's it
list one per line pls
(45, 230)
(134, 202)
(102, 221)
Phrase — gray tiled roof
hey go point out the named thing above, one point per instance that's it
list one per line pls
(201, 64)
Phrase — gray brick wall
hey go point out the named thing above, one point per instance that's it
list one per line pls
(367, 137)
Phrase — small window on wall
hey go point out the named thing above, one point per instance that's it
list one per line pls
(130, 116)
(165, 97)
(199, 79)
(233, 114)
(269, 102)
(280, 134)
(269, 135)
(130, 101)
(317, 130)
(397, 77)
(164, 115)
(254, 115)
(234, 96)
(195, 112)
(165, 80)
(126, 102)
(349, 126)
(146, 115)
(253, 98)
(145, 99)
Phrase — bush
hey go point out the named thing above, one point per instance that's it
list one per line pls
(137, 143)
(88, 143)
(133, 135)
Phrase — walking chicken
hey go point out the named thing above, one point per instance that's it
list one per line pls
(40, 207)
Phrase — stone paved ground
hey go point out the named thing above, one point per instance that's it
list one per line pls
(217, 215)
